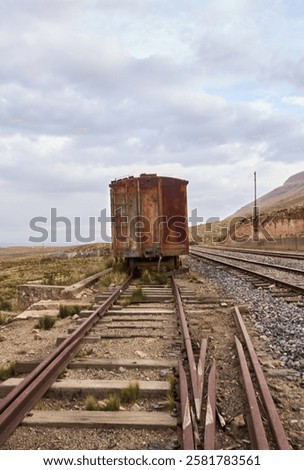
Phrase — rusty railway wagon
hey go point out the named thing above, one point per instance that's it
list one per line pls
(149, 221)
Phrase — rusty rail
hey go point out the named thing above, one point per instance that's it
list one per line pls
(272, 279)
(200, 378)
(210, 422)
(274, 420)
(23, 397)
(187, 430)
(256, 428)
(196, 373)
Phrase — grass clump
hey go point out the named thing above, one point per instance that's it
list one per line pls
(152, 277)
(112, 403)
(7, 371)
(130, 394)
(114, 278)
(119, 266)
(45, 323)
(5, 319)
(109, 262)
(91, 404)
(82, 353)
(138, 295)
(50, 278)
(106, 280)
(170, 401)
(160, 279)
(146, 277)
(5, 305)
(41, 406)
(193, 277)
(69, 310)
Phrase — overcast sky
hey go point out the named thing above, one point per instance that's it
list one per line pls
(92, 90)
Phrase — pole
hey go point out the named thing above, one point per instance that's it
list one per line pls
(255, 221)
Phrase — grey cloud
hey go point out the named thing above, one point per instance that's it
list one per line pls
(77, 110)
(286, 70)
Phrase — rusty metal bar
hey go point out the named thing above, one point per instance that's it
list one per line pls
(196, 373)
(274, 419)
(187, 431)
(200, 378)
(256, 424)
(210, 422)
(186, 338)
(24, 396)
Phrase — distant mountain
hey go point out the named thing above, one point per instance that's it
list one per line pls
(288, 196)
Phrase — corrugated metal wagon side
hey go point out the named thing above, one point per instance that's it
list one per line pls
(149, 220)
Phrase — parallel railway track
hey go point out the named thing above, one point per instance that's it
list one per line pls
(271, 273)
(272, 253)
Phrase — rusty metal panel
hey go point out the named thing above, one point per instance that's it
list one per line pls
(174, 240)
(149, 216)
(124, 207)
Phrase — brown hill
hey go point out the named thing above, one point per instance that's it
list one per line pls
(282, 210)
(289, 196)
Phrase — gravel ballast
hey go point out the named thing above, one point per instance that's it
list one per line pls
(279, 323)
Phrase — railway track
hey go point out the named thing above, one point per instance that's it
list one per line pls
(271, 274)
(227, 413)
(185, 373)
(259, 259)
(273, 253)
(130, 348)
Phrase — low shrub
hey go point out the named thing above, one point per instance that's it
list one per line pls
(45, 323)
(5, 319)
(7, 371)
(69, 310)
(130, 394)
(91, 403)
(112, 403)
(5, 305)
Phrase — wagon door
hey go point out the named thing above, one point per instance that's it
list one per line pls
(124, 207)
(174, 205)
(149, 213)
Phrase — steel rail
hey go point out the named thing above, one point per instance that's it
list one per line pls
(200, 378)
(256, 428)
(274, 253)
(210, 422)
(196, 373)
(23, 397)
(254, 262)
(274, 420)
(187, 429)
(271, 279)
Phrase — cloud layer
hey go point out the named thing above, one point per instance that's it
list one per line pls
(93, 90)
